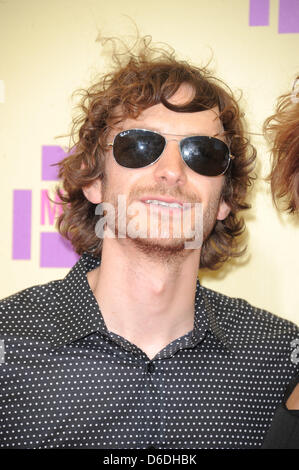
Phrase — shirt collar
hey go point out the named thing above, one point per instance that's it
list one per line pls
(78, 314)
(77, 311)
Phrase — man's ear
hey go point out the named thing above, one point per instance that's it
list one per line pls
(223, 210)
(93, 192)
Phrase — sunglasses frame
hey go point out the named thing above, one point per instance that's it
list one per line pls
(230, 157)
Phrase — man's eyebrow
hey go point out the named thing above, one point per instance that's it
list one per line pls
(159, 131)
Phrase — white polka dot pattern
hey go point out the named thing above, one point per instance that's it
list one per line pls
(67, 382)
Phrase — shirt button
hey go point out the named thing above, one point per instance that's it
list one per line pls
(150, 367)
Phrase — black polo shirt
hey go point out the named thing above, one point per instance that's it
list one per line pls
(67, 382)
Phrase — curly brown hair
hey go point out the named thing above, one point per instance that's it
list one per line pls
(142, 80)
(282, 131)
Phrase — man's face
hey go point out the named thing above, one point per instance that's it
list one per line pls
(168, 177)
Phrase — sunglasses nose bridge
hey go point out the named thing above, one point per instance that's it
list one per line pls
(176, 148)
(170, 166)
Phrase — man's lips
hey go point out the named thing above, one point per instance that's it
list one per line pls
(179, 205)
(169, 200)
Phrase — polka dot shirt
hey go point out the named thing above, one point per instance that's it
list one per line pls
(67, 382)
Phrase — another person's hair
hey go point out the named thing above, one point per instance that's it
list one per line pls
(142, 80)
(282, 132)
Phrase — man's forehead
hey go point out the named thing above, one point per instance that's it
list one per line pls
(160, 119)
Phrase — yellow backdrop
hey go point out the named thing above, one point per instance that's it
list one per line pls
(49, 49)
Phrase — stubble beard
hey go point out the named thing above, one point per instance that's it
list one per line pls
(172, 250)
(167, 250)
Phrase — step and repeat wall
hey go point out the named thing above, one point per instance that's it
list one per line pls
(51, 49)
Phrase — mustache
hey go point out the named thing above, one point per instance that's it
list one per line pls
(162, 191)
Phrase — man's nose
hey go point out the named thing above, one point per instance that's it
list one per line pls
(170, 168)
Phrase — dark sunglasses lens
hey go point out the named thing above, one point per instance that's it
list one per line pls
(205, 155)
(137, 148)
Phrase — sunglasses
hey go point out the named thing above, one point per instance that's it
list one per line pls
(139, 148)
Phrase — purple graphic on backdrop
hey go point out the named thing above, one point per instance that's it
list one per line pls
(259, 12)
(55, 251)
(288, 16)
(51, 154)
(49, 210)
(21, 238)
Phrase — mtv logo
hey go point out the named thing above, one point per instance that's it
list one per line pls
(55, 251)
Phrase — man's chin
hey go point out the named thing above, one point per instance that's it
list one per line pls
(161, 248)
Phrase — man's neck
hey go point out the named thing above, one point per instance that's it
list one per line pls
(147, 302)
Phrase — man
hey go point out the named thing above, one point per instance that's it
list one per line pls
(129, 350)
